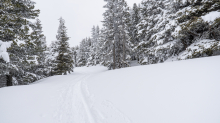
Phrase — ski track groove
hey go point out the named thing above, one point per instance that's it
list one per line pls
(85, 104)
(76, 105)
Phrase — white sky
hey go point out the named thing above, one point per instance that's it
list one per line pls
(80, 16)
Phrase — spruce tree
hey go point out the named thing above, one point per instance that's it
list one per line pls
(52, 53)
(115, 23)
(39, 41)
(83, 53)
(124, 34)
(14, 26)
(93, 53)
(64, 59)
(75, 54)
(97, 46)
(14, 15)
(107, 37)
(133, 31)
(92, 49)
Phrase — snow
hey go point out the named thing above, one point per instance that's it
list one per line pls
(175, 92)
(3, 50)
(211, 16)
(134, 63)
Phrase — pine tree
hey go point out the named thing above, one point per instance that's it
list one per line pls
(124, 34)
(92, 49)
(97, 46)
(14, 15)
(133, 30)
(195, 29)
(83, 53)
(52, 53)
(103, 49)
(107, 36)
(14, 26)
(64, 59)
(75, 53)
(93, 53)
(115, 23)
(155, 31)
(39, 41)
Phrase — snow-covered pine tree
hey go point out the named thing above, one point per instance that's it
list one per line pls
(39, 42)
(124, 34)
(107, 36)
(116, 42)
(88, 45)
(103, 54)
(92, 49)
(75, 51)
(51, 54)
(39, 48)
(83, 52)
(157, 31)
(33, 55)
(133, 31)
(115, 24)
(176, 30)
(14, 25)
(14, 15)
(64, 59)
(195, 30)
(93, 53)
(151, 11)
(97, 40)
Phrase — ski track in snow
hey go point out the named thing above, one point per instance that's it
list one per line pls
(77, 105)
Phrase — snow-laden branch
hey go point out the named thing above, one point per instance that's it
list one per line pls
(3, 50)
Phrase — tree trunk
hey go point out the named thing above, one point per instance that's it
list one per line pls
(75, 60)
(115, 24)
(124, 46)
(114, 62)
(9, 80)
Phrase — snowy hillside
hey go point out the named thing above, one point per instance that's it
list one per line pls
(174, 92)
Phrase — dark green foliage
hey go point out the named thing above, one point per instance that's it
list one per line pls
(133, 31)
(192, 31)
(64, 60)
(197, 29)
(13, 16)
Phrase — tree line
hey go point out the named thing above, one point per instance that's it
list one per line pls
(151, 32)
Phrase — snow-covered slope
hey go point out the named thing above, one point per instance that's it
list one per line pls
(175, 92)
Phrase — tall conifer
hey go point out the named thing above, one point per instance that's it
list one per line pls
(64, 59)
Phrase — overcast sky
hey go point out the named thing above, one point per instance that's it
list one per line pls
(80, 16)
